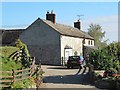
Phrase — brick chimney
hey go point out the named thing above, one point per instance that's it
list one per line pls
(77, 24)
(51, 16)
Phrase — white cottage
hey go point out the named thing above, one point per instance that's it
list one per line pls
(52, 43)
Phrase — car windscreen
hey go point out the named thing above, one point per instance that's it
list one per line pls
(74, 58)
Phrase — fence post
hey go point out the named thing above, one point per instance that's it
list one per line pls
(33, 61)
(13, 74)
(38, 77)
(32, 66)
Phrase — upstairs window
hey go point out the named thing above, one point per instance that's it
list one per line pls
(89, 42)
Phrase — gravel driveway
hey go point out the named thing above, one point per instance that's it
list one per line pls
(61, 77)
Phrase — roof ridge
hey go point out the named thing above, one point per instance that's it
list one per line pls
(67, 29)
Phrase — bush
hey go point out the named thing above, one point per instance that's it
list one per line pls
(75, 53)
(26, 83)
(97, 76)
(107, 58)
(9, 60)
(21, 45)
(25, 53)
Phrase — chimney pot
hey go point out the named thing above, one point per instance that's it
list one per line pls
(47, 12)
(52, 12)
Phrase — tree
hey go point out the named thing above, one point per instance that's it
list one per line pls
(96, 32)
(25, 53)
(21, 45)
(107, 58)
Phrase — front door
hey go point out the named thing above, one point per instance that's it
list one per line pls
(68, 52)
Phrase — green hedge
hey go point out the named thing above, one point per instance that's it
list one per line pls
(107, 58)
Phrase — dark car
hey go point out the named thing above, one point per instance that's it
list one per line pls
(74, 61)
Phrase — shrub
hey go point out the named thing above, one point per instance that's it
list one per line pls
(7, 63)
(25, 53)
(21, 45)
(97, 76)
(26, 83)
(75, 53)
(107, 58)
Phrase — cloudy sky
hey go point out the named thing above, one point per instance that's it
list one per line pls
(22, 14)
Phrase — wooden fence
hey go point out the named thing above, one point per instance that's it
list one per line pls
(17, 75)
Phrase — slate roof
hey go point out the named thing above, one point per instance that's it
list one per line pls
(68, 30)
(9, 36)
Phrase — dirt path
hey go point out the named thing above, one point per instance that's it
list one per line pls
(61, 77)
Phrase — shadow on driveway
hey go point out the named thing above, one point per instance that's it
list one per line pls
(61, 68)
(82, 76)
(68, 79)
(77, 78)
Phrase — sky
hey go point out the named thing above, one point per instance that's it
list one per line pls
(22, 14)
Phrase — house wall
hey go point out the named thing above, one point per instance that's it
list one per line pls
(75, 43)
(87, 50)
(89, 44)
(43, 42)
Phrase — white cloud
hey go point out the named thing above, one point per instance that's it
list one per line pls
(109, 25)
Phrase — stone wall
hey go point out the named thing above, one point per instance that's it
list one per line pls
(40, 33)
(46, 54)
(43, 42)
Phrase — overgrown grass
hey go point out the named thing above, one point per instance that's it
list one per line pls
(6, 51)
(8, 65)
(27, 83)
(5, 63)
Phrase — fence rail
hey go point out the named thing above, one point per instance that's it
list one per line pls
(17, 75)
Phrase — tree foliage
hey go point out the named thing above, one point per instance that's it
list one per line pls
(107, 57)
(96, 32)
(25, 60)
(21, 45)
